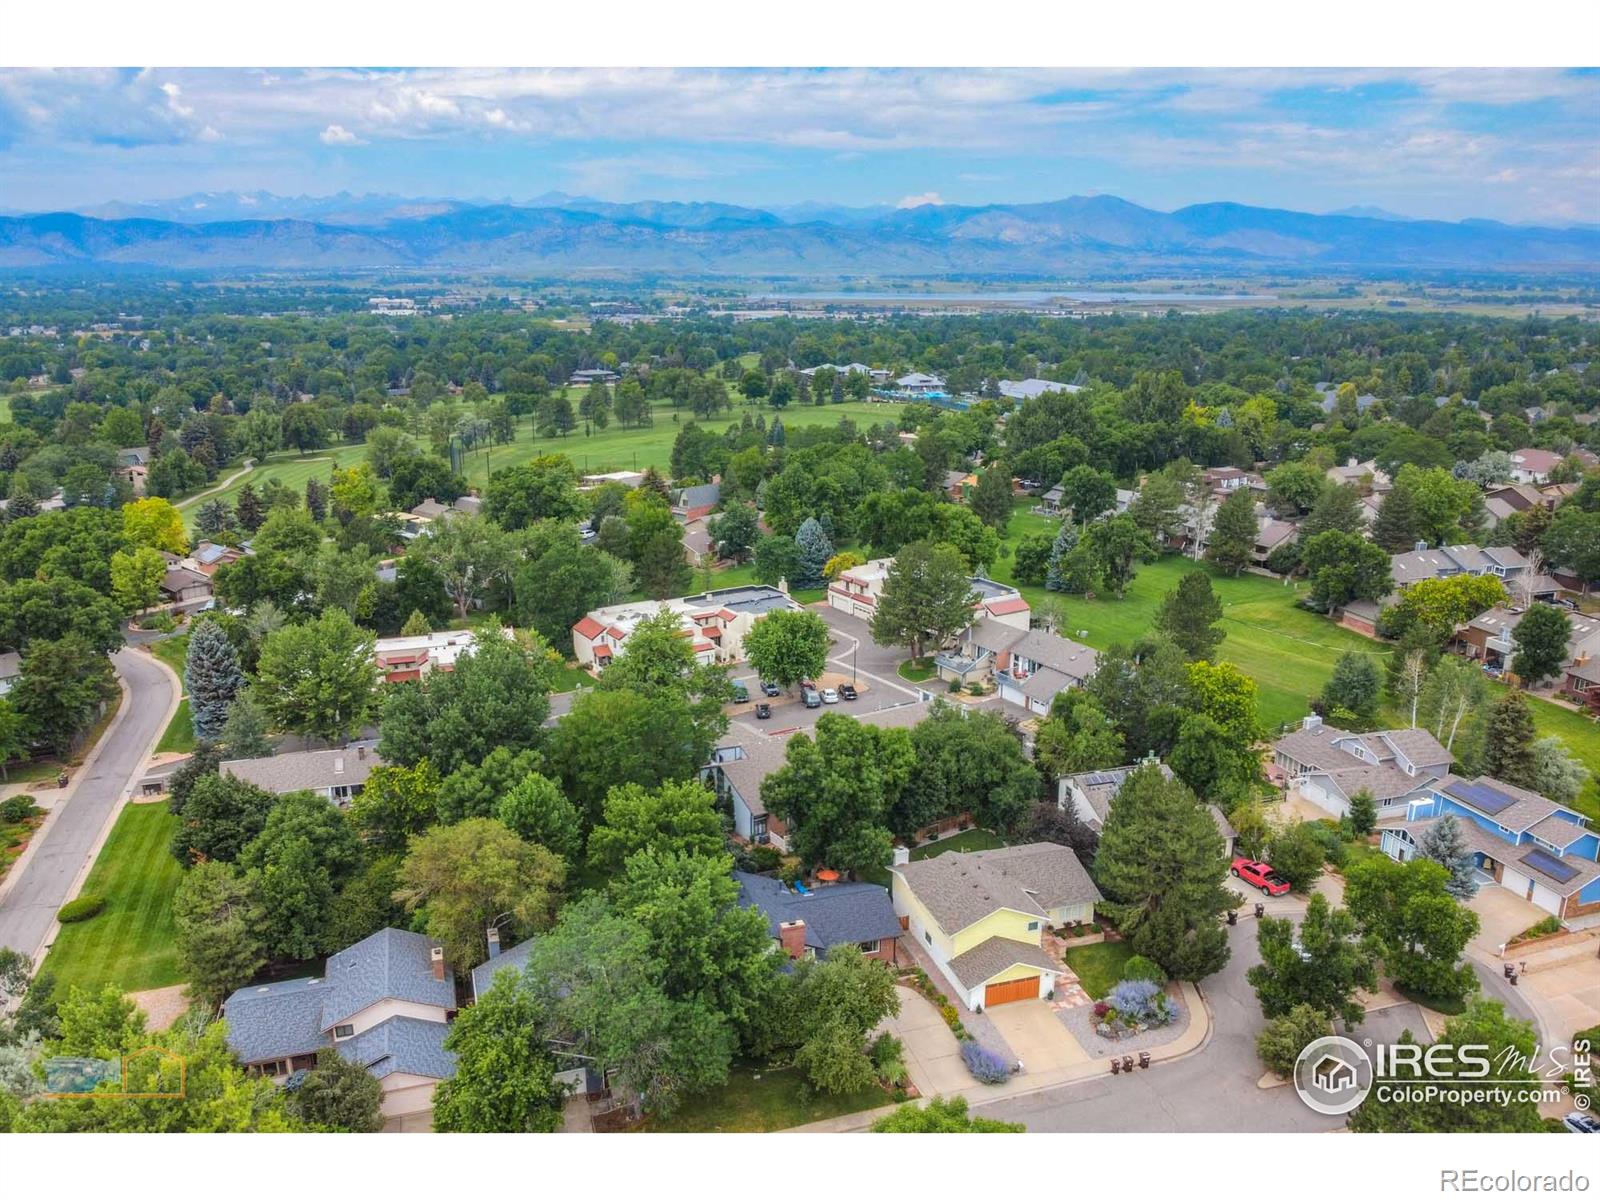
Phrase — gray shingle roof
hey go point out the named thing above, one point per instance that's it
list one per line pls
(700, 495)
(1100, 788)
(1420, 746)
(392, 964)
(1559, 831)
(959, 889)
(276, 1020)
(987, 959)
(402, 1045)
(10, 665)
(836, 915)
(307, 769)
(515, 959)
(1224, 826)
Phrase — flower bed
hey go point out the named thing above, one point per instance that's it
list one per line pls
(1134, 1006)
(917, 980)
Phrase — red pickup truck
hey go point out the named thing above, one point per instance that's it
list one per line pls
(1261, 875)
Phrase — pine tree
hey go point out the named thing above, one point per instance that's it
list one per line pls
(248, 509)
(815, 551)
(1189, 616)
(1339, 507)
(1541, 640)
(244, 734)
(1446, 845)
(316, 499)
(775, 435)
(416, 625)
(991, 499)
(214, 518)
(1353, 687)
(212, 677)
(1508, 753)
(1233, 533)
(1398, 524)
(1363, 813)
(1058, 576)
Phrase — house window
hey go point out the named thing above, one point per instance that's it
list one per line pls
(869, 947)
(927, 937)
(272, 1068)
(1033, 927)
(344, 1031)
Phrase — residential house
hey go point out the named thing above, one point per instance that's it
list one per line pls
(736, 772)
(1543, 851)
(592, 375)
(1329, 400)
(1028, 666)
(1270, 535)
(918, 383)
(1088, 796)
(1224, 479)
(338, 775)
(956, 484)
(1366, 477)
(384, 1003)
(574, 1071)
(810, 924)
(406, 659)
(693, 503)
(1029, 389)
(1504, 562)
(10, 670)
(980, 916)
(1050, 502)
(1329, 766)
(697, 543)
(180, 585)
(1530, 465)
(854, 368)
(1488, 637)
(1508, 498)
(856, 592)
(210, 557)
(716, 621)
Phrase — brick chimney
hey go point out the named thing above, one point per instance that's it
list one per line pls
(437, 956)
(792, 936)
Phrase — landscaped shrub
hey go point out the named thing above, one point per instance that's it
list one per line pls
(80, 909)
(1327, 835)
(1537, 930)
(986, 1066)
(767, 858)
(888, 1055)
(1140, 1001)
(1140, 967)
(16, 808)
(1101, 1008)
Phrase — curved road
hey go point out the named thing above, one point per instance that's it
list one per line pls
(28, 906)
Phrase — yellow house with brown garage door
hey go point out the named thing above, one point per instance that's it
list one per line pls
(981, 916)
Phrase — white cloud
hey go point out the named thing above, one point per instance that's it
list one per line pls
(921, 201)
(338, 135)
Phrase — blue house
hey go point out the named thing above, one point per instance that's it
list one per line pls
(1544, 852)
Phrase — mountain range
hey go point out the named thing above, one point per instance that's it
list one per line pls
(561, 234)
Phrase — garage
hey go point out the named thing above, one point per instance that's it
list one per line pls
(1013, 695)
(1546, 899)
(1012, 989)
(1515, 881)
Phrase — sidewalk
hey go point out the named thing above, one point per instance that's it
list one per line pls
(1194, 1038)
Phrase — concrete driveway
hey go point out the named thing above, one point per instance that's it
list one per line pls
(1036, 1035)
(1502, 914)
(933, 1056)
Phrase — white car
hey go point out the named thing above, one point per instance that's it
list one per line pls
(830, 695)
(1580, 1122)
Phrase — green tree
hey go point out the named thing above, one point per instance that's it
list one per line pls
(1508, 749)
(839, 1001)
(1161, 865)
(155, 523)
(1541, 643)
(1297, 855)
(1189, 615)
(1398, 523)
(1343, 567)
(1113, 546)
(470, 553)
(1363, 813)
(991, 499)
(338, 1095)
(555, 589)
(1557, 774)
(816, 548)
(788, 646)
(1030, 560)
(505, 1076)
(1279, 1044)
(615, 738)
(219, 938)
(317, 678)
(536, 811)
(294, 867)
(942, 1115)
(476, 789)
(212, 677)
(1323, 964)
(926, 595)
(1444, 843)
(1077, 737)
(964, 762)
(776, 558)
(735, 531)
(656, 547)
(1418, 929)
(1354, 687)
(546, 488)
(463, 876)
(675, 818)
(1233, 532)
(63, 686)
(1088, 493)
(396, 804)
(136, 578)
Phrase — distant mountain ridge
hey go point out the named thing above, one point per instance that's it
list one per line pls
(566, 234)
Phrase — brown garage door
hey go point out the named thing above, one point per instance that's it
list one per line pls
(1016, 989)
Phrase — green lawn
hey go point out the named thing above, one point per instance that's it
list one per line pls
(745, 573)
(178, 737)
(131, 943)
(570, 679)
(1099, 967)
(971, 839)
(916, 670)
(761, 1100)
(290, 469)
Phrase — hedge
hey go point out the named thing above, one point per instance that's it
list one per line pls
(80, 909)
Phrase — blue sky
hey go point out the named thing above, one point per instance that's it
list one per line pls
(1516, 145)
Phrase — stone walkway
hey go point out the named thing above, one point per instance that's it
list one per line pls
(1069, 991)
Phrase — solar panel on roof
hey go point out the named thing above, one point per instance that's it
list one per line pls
(1549, 865)
(1481, 797)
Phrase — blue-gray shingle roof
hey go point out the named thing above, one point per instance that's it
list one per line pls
(483, 974)
(276, 1020)
(407, 1045)
(392, 964)
(836, 915)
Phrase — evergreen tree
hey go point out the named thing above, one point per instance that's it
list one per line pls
(775, 435)
(1060, 572)
(244, 733)
(212, 677)
(815, 551)
(248, 509)
(1508, 749)
(1363, 813)
(1353, 688)
(1233, 532)
(1398, 523)
(339, 1095)
(1446, 845)
(213, 519)
(218, 930)
(991, 499)
(1189, 616)
(416, 625)
(317, 499)
(1338, 507)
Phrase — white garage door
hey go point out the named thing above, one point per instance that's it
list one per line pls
(1514, 881)
(1012, 695)
(1546, 899)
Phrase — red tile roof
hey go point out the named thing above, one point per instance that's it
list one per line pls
(588, 627)
(1013, 604)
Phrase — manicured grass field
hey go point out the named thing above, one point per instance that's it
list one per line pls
(760, 1100)
(969, 840)
(291, 469)
(916, 670)
(1099, 967)
(131, 943)
(570, 679)
(178, 737)
(618, 449)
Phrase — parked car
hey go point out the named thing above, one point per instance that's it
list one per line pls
(763, 711)
(811, 697)
(740, 693)
(847, 691)
(1260, 875)
(809, 685)
(768, 688)
(1580, 1122)
(830, 696)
